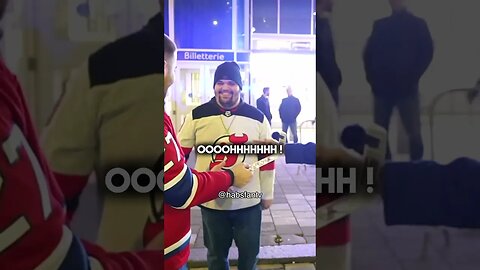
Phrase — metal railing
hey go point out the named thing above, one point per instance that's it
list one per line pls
(471, 95)
(300, 139)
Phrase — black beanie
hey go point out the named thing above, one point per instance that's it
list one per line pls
(228, 71)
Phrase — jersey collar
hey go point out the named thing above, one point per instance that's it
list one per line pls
(224, 111)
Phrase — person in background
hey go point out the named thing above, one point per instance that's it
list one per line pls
(289, 110)
(397, 54)
(326, 62)
(263, 104)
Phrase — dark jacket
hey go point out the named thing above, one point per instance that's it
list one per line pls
(264, 106)
(290, 109)
(397, 54)
(326, 63)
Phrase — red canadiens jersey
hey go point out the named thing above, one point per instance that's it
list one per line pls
(184, 188)
(33, 234)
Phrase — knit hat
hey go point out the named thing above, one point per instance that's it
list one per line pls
(228, 71)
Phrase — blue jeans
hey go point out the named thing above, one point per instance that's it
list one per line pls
(221, 227)
(409, 111)
(185, 267)
(293, 129)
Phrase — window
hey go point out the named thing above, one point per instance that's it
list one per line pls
(166, 18)
(203, 24)
(296, 16)
(265, 16)
(242, 18)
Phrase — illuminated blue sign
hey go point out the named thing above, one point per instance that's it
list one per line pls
(205, 56)
(243, 57)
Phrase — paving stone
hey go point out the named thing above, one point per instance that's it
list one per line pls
(306, 214)
(268, 227)
(283, 254)
(196, 221)
(297, 202)
(300, 266)
(193, 237)
(291, 239)
(291, 191)
(310, 239)
(267, 219)
(309, 231)
(281, 213)
(198, 243)
(196, 228)
(271, 267)
(288, 229)
(286, 185)
(280, 206)
(266, 212)
(306, 221)
(294, 196)
(301, 208)
(284, 221)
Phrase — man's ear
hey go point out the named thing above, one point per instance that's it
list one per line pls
(165, 66)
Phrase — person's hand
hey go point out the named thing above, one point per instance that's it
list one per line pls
(219, 166)
(156, 244)
(242, 175)
(266, 204)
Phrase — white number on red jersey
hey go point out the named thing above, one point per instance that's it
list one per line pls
(11, 148)
(169, 139)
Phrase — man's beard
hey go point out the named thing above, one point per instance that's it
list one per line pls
(229, 103)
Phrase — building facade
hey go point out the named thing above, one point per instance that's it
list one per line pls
(272, 40)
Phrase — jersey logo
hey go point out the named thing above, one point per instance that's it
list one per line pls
(231, 160)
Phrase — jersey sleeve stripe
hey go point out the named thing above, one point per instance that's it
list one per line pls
(177, 178)
(192, 194)
(56, 258)
(13, 232)
(95, 264)
(179, 194)
(178, 246)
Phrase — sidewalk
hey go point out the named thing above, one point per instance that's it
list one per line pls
(290, 266)
(289, 221)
